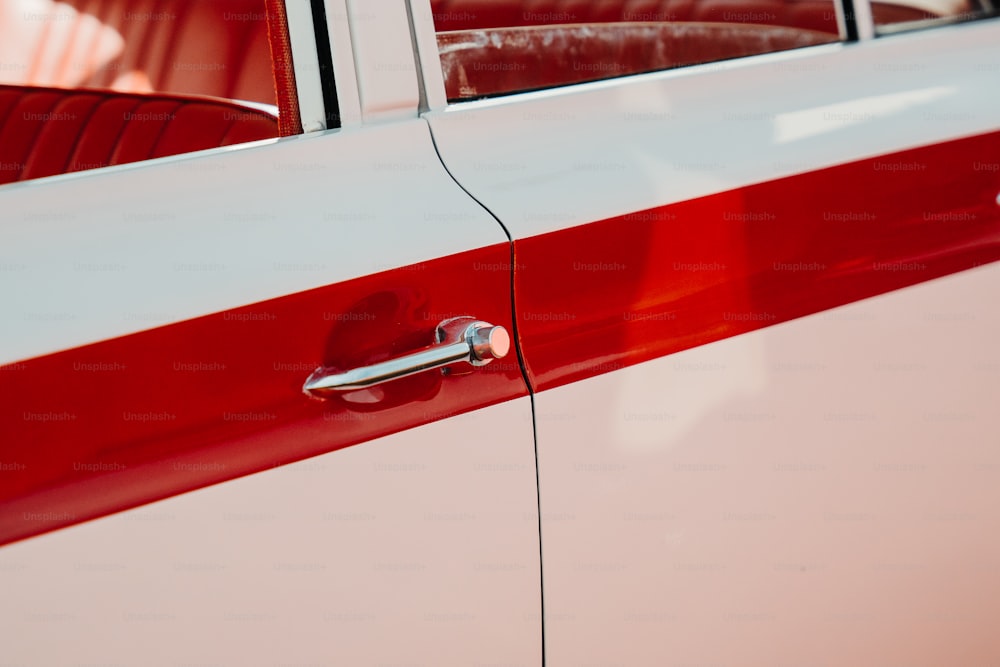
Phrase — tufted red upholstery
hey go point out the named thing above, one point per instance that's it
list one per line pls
(47, 131)
(199, 47)
(502, 60)
(808, 14)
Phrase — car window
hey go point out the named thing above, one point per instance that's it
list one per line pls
(86, 84)
(209, 47)
(503, 46)
(901, 15)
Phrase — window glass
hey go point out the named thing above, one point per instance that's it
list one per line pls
(90, 83)
(207, 47)
(493, 47)
(909, 14)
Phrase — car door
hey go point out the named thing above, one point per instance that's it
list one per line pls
(755, 300)
(170, 494)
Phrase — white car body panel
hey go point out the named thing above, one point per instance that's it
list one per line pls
(383, 54)
(563, 157)
(822, 491)
(419, 548)
(253, 223)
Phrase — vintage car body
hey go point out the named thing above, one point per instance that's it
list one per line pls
(750, 412)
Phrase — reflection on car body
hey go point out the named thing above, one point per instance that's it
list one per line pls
(745, 252)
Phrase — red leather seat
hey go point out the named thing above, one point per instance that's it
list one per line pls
(808, 14)
(468, 14)
(477, 63)
(47, 131)
(197, 47)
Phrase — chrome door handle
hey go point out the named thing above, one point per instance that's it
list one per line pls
(458, 339)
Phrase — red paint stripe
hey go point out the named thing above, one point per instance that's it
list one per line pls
(109, 426)
(607, 295)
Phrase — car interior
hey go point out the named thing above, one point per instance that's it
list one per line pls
(491, 47)
(92, 83)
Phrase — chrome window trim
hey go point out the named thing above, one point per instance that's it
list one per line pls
(344, 67)
(941, 21)
(305, 59)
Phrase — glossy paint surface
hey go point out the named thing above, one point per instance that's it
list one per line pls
(821, 492)
(600, 297)
(687, 501)
(197, 234)
(107, 426)
(388, 86)
(419, 548)
(559, 158)
(725, 478)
